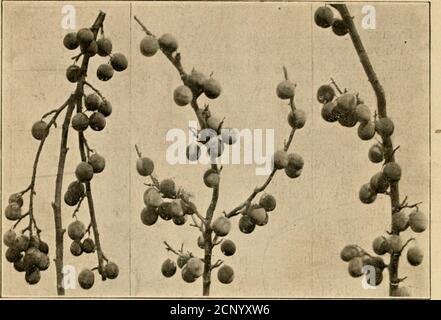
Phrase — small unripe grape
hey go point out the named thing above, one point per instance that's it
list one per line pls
(225, 274)
(325, 94)
(196, 80)
(339, 27)
(201, 242)
(400, 221)
(84, 172)
(417, 221)
(292, 172)
(379, 183)
(70, 41)
(40, 130)
(168, 268)
(9, 238)
(182, 95)
(168, 188)
(145, 166)
(33, 276)
(392, 171)
(149, 46)
(90, 48)
(73, 73)
(366, 194)
(119, 62)
(187, 276)
(43, 262)
(97, 121)
(88, 245)
(195, 266)
(77, 188)
(380, 246)
(246, 225)
(70, 198)
(366, 131)
(111, 270)
(385, 127)
(347, 102)
(295, 161)
(104, 72)
(323, 17)
(348, 120)
(280, 159)
(297, 119)
(328, 112)
(86, 279)
(212, 88)
(168, 43)
(394, 243)
(164, 211)
(285, 90)
(355, 267)
(268, 202)
(92, 102)
(179, 220)
(80, 122)
(13, 254)
(17, 198)
(76, 230)
(415, 256)
(76, 249)
(13, 211)
(182, 260)
(97, 162)
(149, 215)
(363, 113)
(84, 36)
(176, 210)
(221, 226)
(22, 242)
(104, 47)
(152, 197)
(376, 153)
(105, 108)
(44, 248)
(228, 247)
(349, 252)
(258, 215)
(211, 178)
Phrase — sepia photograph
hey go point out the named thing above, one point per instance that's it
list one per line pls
(262, 150)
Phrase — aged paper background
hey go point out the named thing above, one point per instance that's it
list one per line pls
(245, 44)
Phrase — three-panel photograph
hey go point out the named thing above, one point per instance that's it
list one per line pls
(216, 150)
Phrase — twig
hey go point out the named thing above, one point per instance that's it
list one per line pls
(94, 89)
(74, 214)
(217, 264)
(336, 86)
(169, 248)
(406, 243)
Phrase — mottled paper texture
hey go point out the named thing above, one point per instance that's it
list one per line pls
(245, 45)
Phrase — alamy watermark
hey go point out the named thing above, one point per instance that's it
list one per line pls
(226, 146)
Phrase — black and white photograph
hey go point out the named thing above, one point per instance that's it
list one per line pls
(210, 149)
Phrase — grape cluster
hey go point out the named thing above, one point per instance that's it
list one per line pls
(85, 40)
(27, 251)
(213, 136)
(324, 18)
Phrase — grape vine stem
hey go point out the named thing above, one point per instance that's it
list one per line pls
(387, 141)
(56, 205)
